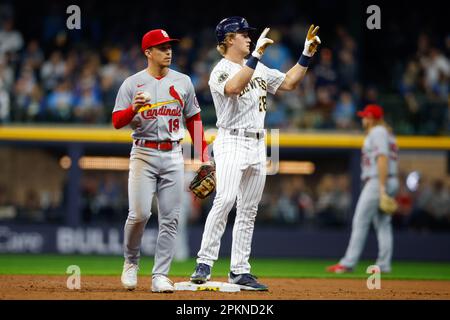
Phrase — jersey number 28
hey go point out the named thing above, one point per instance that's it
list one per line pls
(262, 103)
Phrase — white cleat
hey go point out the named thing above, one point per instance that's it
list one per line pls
(162, 284)
(129, 276)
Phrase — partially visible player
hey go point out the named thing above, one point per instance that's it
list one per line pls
(379, 175)
(155, 102)
(239, 89)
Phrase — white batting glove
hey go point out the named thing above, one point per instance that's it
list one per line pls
(262, 44)
(312, 41)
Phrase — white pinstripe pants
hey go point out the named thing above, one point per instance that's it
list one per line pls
(241, 175)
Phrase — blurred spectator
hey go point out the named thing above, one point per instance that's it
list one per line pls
(347, 69)
(277, 56)
(326, 199)
(53, 70)
(23, 90)
(437, 73)
(334, 200)
(343, 203)
(276, 114)
(6, 81)
(107, 202)
(304, 197)
(344, 113)
(326, 75)
(89, 186)
(88, 107)
(11, 40)
(33, 55)
(324, 109)
(32, 210)
(405, 204)
(439, 205)
(7, 208)
(287, 207)
(59, 104)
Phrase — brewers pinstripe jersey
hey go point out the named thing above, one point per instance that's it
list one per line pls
(248, 109)
(171, 98)
(378, 141)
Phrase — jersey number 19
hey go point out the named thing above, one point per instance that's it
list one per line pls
(174, 125)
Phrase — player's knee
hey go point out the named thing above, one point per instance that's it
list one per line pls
(138, 214)
(169, 223)
(224, 202)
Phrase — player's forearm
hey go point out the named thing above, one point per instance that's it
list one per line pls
(123, 117)
(382, 166)
(195, 127)
(297, 72)
(239, 81)
(293, 77)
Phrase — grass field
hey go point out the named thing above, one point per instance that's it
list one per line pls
(273, 268)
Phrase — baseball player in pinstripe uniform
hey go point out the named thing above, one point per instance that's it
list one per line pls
(379, 174)
(155, 101)
(239, 89)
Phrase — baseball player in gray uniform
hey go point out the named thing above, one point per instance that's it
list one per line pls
(154, 102)
(239, 89)
(379, 175)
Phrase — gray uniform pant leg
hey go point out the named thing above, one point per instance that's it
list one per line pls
(141, 188)
(383, 228)
(169, 192)
(366, 210)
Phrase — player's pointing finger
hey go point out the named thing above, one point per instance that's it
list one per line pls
(264, 33)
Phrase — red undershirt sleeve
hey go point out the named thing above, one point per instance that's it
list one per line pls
(123, 117)
(204, 146)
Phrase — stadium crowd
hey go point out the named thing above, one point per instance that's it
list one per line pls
(288, 201)
(62, 77)
(54, 75)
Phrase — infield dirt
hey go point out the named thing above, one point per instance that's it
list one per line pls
(40, 287)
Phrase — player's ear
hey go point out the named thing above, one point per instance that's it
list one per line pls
(148, 53)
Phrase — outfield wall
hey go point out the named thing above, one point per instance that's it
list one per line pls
(267, 242)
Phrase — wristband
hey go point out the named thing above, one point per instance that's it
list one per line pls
(304, 61)
(252, 62)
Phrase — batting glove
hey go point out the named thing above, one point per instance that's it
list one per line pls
(312, 41)
(262, 44)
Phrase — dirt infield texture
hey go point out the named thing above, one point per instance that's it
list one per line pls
(108, 287)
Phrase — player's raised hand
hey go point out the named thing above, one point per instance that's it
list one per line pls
(312, 41)
(140, 99)
(262, 44)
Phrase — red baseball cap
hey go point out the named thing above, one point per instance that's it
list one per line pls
(155, 37)
(371, 110)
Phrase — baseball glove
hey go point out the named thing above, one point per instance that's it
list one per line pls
(387, 204)
(204, 182)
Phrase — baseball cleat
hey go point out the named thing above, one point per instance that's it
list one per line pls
(162, 284)
(339, 268)
(129, 275)
(246, 281)
(201, 274)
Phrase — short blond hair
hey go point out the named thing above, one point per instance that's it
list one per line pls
(223, 46)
